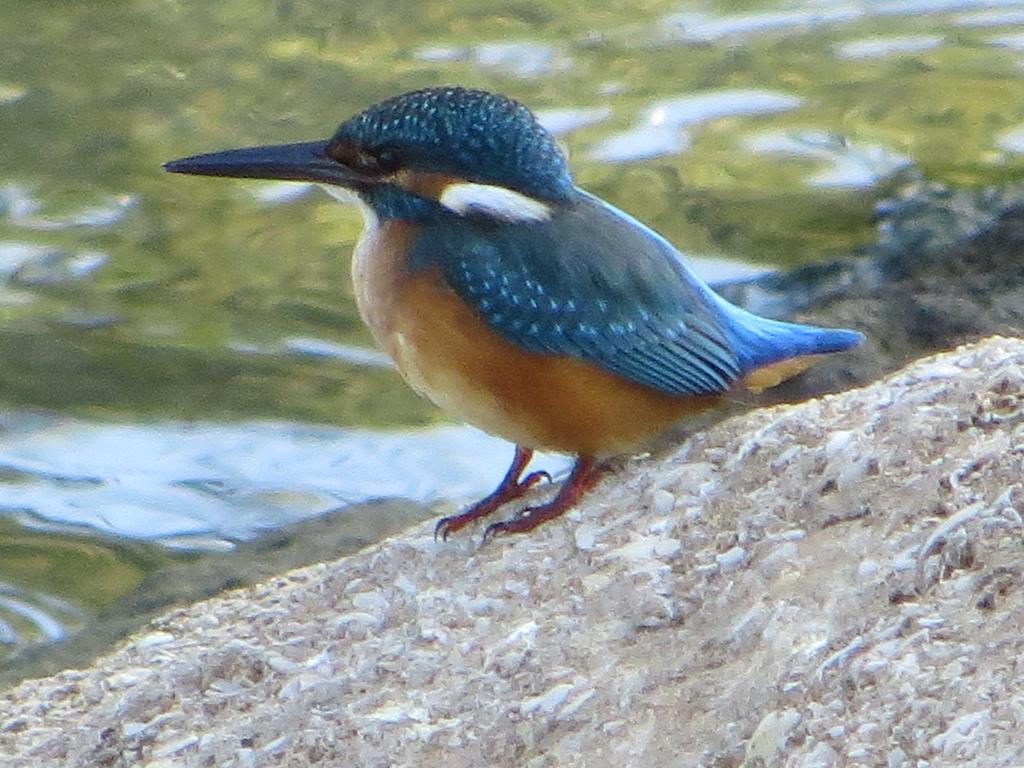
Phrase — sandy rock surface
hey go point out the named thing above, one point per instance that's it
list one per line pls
(828, 584)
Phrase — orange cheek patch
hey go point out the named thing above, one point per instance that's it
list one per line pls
(431, 185)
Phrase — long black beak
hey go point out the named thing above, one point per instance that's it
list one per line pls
(305, 161)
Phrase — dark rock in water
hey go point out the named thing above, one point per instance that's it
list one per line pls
(947, 268)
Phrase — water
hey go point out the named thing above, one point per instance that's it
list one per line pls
(181, 360)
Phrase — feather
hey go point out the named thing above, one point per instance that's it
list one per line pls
(590, 284)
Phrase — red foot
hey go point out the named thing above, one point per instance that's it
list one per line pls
(585, 473)
(511, 487)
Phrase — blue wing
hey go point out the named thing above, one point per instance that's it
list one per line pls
(595, 284)
(589, 283)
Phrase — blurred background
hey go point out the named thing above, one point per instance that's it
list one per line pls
(181, 364)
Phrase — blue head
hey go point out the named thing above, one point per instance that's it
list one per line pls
(468, 134)
(413, 148)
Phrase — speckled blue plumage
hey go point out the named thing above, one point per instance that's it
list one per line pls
(481, 136)
(593, 284)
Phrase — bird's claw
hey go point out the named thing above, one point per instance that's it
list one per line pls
(449, 525)
(493, 530)
(441, 529)
(526, 520)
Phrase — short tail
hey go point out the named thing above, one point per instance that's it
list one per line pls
(769, 351)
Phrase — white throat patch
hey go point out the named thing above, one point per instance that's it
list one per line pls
(350, 197)
(495, 201)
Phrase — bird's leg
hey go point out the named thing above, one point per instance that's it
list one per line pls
(511, 487)
(585, 473)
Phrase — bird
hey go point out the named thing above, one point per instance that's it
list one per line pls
(516, 300)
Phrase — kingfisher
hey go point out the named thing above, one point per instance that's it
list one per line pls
(517, 301)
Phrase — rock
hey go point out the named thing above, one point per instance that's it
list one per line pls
(871, 616)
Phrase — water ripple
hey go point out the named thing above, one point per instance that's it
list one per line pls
(659, 130)
(877, 47)
(171, 480)
(853, 164)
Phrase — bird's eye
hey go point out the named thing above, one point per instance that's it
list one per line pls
(384, 159)
(373, 161)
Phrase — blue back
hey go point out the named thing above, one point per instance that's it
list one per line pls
(595, 284)
(757, 341)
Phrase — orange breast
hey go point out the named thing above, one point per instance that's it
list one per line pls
(446, 352)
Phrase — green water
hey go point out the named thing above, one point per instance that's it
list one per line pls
(130, 295)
